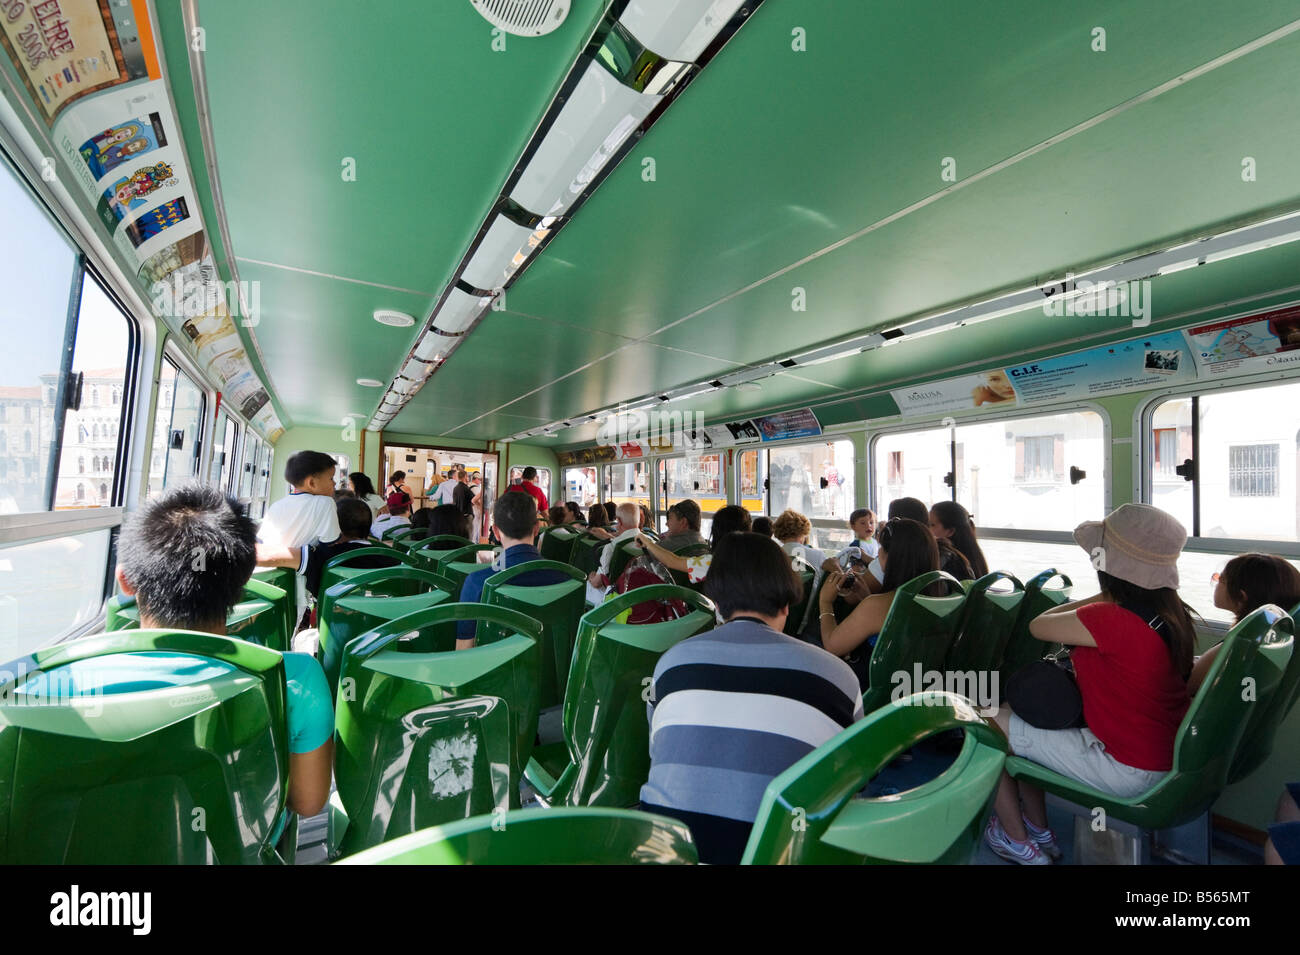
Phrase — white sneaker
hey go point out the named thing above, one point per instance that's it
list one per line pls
(1045, 839)
(1003, 846)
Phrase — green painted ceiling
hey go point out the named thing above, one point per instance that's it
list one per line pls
(775, 169)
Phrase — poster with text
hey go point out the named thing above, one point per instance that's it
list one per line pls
(1112, 369)
(957, 394)
(789, 424)
(1253, 343)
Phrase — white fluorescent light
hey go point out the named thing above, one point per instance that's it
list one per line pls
(503, 251)
(750, 374)
(692, 394)
(459, 312)
(434, 346)
(370, 383)
(417, 370)
(824, 355)
(404, 386)
(600, 115)
(681, 30)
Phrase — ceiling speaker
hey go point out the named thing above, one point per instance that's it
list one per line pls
(524, 17)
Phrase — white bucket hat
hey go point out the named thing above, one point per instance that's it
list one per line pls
(1137, 543)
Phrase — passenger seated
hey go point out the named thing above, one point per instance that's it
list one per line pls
(729, 520)
(763, 525)
(862, 523)
(598, 582)
(573, 513)
(907, 550)
(446, 520)
(1132, 653)
(557, 515)
(173, 590)
(732, 708)
(515, 516)
(354, 526)
(396, 517)
(683, 520)
(1283, 845)
(950, 522)
(872, 581)
(307, 515)
(1245, 584)
(420, 521)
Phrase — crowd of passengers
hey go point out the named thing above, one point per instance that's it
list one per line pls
(735, 706)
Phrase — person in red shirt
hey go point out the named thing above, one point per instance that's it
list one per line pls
(1131, 646)
(530, 475)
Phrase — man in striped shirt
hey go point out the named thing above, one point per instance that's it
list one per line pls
(734, 707)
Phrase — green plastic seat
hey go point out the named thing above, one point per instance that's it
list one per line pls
(426, 734)
(282, 577)
(812, 813)
(264, 615)
(586, 552)
(1040, 596)
(918, 632)
(604, 756)
(1257, 742)
(459, 564)
(794, 622)
(624, 553)
(189, 774)
(557, 607)
(534, 837)
(361, 603)
(1207, 740)
(680, 577)
(351, 563)
(431, 549)
(557, 543)
(988, 621)
(400, 532)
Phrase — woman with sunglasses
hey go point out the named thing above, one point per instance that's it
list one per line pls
(907, 550)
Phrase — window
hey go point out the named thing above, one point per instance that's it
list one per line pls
(1245, 446)
(178, 429)
(911, 464)
(1252, 470)
(224, 451)
(1041, 459)
(697, 477)
(895, 467)
(543, 479)
(252, 445)
(627, 483)
(581, 486)
(1164, 443)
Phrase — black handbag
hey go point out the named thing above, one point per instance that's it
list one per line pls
(1046, 694)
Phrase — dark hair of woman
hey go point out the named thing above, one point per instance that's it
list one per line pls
(1253, 580)
(955, 518)
(750, 572)
(728, 520)
(574, 511)
(1175, 625)
(447, 519)
(910, 551)
(362, 484)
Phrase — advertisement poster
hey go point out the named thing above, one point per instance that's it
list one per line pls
(1240, 346)
(65, 49)
(1125, 366)
(128, 194)
(156, 220)
(956, 394)
(790, 424)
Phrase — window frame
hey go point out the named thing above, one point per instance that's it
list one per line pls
(1143, 458)
(958, 419)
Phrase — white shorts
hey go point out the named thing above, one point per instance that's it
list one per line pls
(1078, 753)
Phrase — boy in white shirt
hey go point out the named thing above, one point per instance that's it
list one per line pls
(306, 516)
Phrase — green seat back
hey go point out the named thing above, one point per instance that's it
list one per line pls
(917, 632)
(398, 533)
(424, 733)
(586, 552)
(282, 577)
(557, 543)
(625, 552)
(431, 549)
(794, 622)
(1257, 742)
(680, 577)
(1252, 653)
(605, 756)
(557, 607)
(353, 606)
(342, 566)
(989, 618)
(813, 814)
(195, 773)
(1041, 595)
(264, 615)
(556, 837)
(460, 563)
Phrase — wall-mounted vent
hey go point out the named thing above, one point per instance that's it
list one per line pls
(524, 17)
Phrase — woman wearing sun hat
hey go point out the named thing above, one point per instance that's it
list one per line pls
(1131, 646)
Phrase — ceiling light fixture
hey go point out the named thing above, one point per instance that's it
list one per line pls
(370, 383)
(681, 30)
(386, 316)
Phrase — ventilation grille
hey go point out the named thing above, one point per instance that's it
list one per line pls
(524, 17)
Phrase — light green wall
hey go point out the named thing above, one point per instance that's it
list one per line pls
(328, 440)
